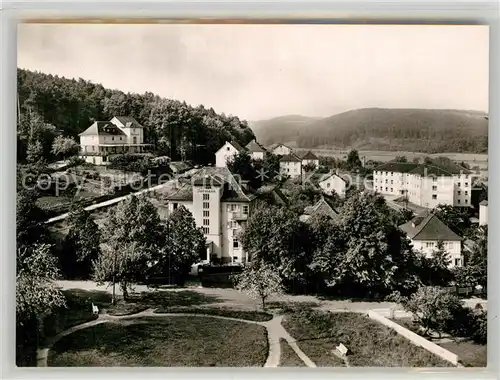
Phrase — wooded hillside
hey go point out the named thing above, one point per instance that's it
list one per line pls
(71, 106)
(418, 130)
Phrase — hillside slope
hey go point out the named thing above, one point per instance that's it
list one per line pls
(419, 130)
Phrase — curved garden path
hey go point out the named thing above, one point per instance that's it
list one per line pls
(275, 331)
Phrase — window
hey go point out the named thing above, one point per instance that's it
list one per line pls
(392, 173)
(434, 196)
(208, 186)
(206, 197)
(175, 206)
(458, 201)
(434, 179)
(112, 138)
(206, 204)
(235, 259)
(386, 189)
(459, 192)
(206, 213)
(120, 138)
(236, 244)
(233, 208)
(466, 176)
(466, 184)
(429, 244)
(328, 184)
(228, 148)
(392, 182)
(93, 148)
(245, 209)
(391, 190)
(457, 262)
(466, 201)
(206, 230)
(459, 184)
(434, 188)
(206, 222)
(386, 181)
(466, 192)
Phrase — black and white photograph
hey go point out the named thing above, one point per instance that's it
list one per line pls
(237, 194)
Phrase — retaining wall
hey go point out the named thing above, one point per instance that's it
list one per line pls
(415, 338)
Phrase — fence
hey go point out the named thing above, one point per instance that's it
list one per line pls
(415, 338)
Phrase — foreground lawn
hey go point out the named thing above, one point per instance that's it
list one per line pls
(470, 354)
(169, 341)
(369, 343)
(288, 356)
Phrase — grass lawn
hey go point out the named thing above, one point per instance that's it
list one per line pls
(369, 343)
(469, 353)
(288, 356)
(258, 316)
(164, 341)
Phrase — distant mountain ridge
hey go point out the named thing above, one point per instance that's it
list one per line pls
(418, 130)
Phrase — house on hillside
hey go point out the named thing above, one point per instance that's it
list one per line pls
(255, 150)
(310, 159)
(221, 206)
(103, 139)
(226, 152)
(320, 208)
(483, 213)
(281, 150)
(331, 182)
(426, 185)
(291, 165)
(427, 230)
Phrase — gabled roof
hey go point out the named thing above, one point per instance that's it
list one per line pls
(102, 128)
(309, 156)
(434, 168)
(254, 147)
(327, 176)
(290, 158)
(129, 121)
(274, 146)
(428, 227)
(320, 208)
(236, 146)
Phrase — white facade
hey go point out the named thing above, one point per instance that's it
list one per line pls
(483, 213)
(425, 191)
(282, 150)
(453, 248)
(257, 155)
(291, 168)
(333, 182)
(310, 162)
(135, 134)
(226, 152)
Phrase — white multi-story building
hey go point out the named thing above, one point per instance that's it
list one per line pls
(291, 165)
(333, 182)
(483, 213)
(426, 185)
(426, 231)
(103, 139)
(227, 152)
(220, 206)
(255, 150)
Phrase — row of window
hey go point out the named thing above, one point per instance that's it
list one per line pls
(432, 244)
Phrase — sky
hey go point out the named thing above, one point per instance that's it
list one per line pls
(262, 71)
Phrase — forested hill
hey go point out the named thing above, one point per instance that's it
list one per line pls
(418, 130)
(70, 106)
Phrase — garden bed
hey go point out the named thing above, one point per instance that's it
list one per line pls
(369, 343)
(163, 341)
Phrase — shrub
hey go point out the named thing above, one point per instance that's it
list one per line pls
(480, 326)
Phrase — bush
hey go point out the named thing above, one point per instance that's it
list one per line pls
(480, 326)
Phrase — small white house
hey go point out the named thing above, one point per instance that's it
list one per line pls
(310, 159)
(282, 150)
(291, 165)
(226, 152)
(426, 231)
(331, 182)
(255, 150)
(483, 213)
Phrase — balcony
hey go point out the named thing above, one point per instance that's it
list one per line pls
(240, 217)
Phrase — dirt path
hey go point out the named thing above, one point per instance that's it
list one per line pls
(275, 331)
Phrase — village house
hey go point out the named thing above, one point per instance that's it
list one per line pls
(483, 213)
(281, 150)
(103, 139)
(255, 150)
(426, 231)
(425, 185)
(310, 159)
(333, 182)
(320, 208)
(291, 165)
(227, 152)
